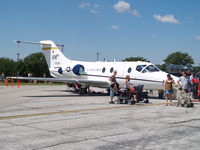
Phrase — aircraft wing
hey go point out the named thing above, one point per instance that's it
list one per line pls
(65, 80)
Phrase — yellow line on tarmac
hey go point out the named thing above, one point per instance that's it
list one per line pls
(74, 111)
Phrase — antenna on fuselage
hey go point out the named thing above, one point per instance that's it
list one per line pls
(97, 56)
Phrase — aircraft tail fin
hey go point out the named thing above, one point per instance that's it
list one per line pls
(53, 55)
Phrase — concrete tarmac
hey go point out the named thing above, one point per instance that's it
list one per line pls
(49, 118)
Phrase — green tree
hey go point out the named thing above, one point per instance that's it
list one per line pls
(179, 58)
(162, 67)
(7, 66)
(197, 69)
(135, 59)
(20, 68)
(36, 64)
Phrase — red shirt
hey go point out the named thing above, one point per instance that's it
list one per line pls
(195, 80)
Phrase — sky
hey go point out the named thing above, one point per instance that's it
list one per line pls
(116, 29)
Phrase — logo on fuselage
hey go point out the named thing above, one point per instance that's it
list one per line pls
(54, 57)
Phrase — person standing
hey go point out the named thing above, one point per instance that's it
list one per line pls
(2, 77)
(183, 82)
(128, 82)
(198, 93)
(113, 86)
(195, 83)
(168, 87)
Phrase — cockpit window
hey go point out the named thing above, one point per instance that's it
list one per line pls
(140, 67)
(150, 68)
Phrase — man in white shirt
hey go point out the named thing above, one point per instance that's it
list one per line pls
(183, 82)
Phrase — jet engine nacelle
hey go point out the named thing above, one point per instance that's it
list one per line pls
(78, 69)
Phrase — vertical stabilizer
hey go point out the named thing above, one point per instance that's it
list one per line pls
(53, 55)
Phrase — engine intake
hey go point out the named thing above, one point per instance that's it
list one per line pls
(60, 70)
(78, 69)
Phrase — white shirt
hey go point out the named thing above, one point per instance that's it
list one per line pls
(184, 82)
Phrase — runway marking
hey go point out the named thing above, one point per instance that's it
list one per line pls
(75, 111)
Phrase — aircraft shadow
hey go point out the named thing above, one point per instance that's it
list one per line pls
(71, 95)
(57, 90)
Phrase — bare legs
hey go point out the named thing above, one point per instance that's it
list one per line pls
(168, 97)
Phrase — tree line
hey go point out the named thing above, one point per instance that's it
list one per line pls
(176, 59)
(36, 65)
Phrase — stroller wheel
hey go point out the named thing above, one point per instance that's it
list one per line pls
(116, 102)
(146, 101)
(186, 105)
(120, 99)
(131, 102)
(124, 101)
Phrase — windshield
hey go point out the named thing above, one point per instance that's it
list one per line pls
(140, 67)
(150, 68)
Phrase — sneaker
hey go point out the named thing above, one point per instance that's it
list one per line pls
(111, 102)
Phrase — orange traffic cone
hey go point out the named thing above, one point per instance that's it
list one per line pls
(12, 82)
(18, 83)
(6, 82)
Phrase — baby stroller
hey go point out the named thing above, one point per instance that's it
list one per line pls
(140, 95)
(184, 99)
(132, 95)
(125, 96)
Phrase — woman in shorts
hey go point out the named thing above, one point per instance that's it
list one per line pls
(168, 87)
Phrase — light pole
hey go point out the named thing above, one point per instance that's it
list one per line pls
(97, 56)
(18, 50)
(17, 56)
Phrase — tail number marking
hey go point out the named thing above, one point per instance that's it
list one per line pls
(54, 57)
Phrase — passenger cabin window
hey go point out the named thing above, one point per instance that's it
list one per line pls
(104, 69)
(150, 68)
(111, 70)
(129, 70)
(140, 67)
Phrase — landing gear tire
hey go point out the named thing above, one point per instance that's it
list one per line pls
(83, 91)
(146, 101)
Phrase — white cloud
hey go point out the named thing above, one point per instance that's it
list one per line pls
(166, 19)
(198, 38)
(134, 12)
(122, 6)
(84, 5)
(125, 7)
(93, 11)
(115, 27)
(92, 8)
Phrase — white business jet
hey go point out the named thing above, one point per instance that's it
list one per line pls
(96, 74)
